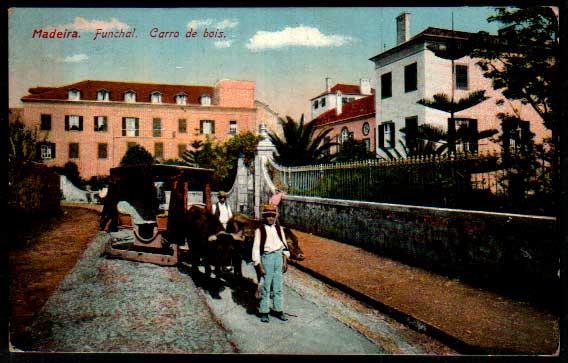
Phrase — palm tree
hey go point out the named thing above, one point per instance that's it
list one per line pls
(301, 145)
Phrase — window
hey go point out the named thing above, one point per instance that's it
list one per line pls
(73, 123)
(207, 127)
(181, 99)
(102, 151)
(205, 100)
(159, 150)
(233, 127)
(386, 135)
(461, 77)
(386, 85)
(156, 127)
(516, 135)
(462, 135)
(366, 128)
(181, 149)
(73, 150)
(103, 95)
(411, 131)
(322, 102)
(45, 122)
(130, 96)
(345, 100)
(410, 77)
(46, 150)
(344, 135)
(156, 97)
(326, 140)
(316, 104)
(130, 126)
(101, 123)
(367, 143)
(74, 95)
(182, 125)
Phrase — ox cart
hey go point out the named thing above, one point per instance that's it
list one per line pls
(146, 240)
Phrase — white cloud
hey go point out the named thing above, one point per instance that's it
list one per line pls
(227, 24)
(203, 23)
(75, 58)
(196, 24)
(223, 43)
(82, 24)
(302, 36)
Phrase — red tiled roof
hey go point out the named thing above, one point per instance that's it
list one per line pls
(444, 33)
(89, 90)
(360, 107)
(345, 89)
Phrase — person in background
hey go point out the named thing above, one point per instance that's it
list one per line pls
(221, 209)
(270, 257)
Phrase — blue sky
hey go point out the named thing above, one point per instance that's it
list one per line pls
(288, 52)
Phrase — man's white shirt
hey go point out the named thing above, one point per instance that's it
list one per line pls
(224, 212)
(273, 242)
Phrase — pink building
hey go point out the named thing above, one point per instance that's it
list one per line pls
(92, 123)
(351, 116)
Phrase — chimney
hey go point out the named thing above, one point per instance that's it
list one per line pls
(328, 84)
(338, 103)
(402, 28)
(365, 86)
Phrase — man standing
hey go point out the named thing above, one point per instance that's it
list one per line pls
(270, 256)
(221, 209)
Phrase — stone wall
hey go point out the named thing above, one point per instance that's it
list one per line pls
(496, 247)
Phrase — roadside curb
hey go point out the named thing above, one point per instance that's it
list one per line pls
(417, 324)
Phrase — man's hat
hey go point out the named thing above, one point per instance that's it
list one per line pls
(221, 195)
(269, 209)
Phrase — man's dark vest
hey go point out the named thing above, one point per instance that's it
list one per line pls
(218, 210)
(263, 237)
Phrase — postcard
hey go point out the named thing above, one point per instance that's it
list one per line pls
(300, 180)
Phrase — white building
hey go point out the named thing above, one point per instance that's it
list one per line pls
(339, 95)
(410, 71)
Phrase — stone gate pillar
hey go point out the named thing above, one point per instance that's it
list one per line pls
(264, 151)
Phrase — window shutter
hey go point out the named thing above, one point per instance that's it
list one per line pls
(124, 126)
(105, 127)
(80, 123)
(137, 125)
(38, 151)
(212, 127)
(201, 127)
(392, 135)
(451, 135)
(53, 151)
(381, 136)
(66, 123)
(506, 126)
(473, 131)
(525, 132)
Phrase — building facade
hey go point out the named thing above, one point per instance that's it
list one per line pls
(411, 71)
(355, 120)
(338, 95)
(92, 123)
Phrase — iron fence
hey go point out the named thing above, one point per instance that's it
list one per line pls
(472, 181)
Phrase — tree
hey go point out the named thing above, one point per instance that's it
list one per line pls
(22, 144)
(301, 144)
(71, 172)
(524, 63)
(353, 150)
(136, 155)
(464, 134)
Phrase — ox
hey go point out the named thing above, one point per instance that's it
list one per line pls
(245, 227)
(209, 242)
